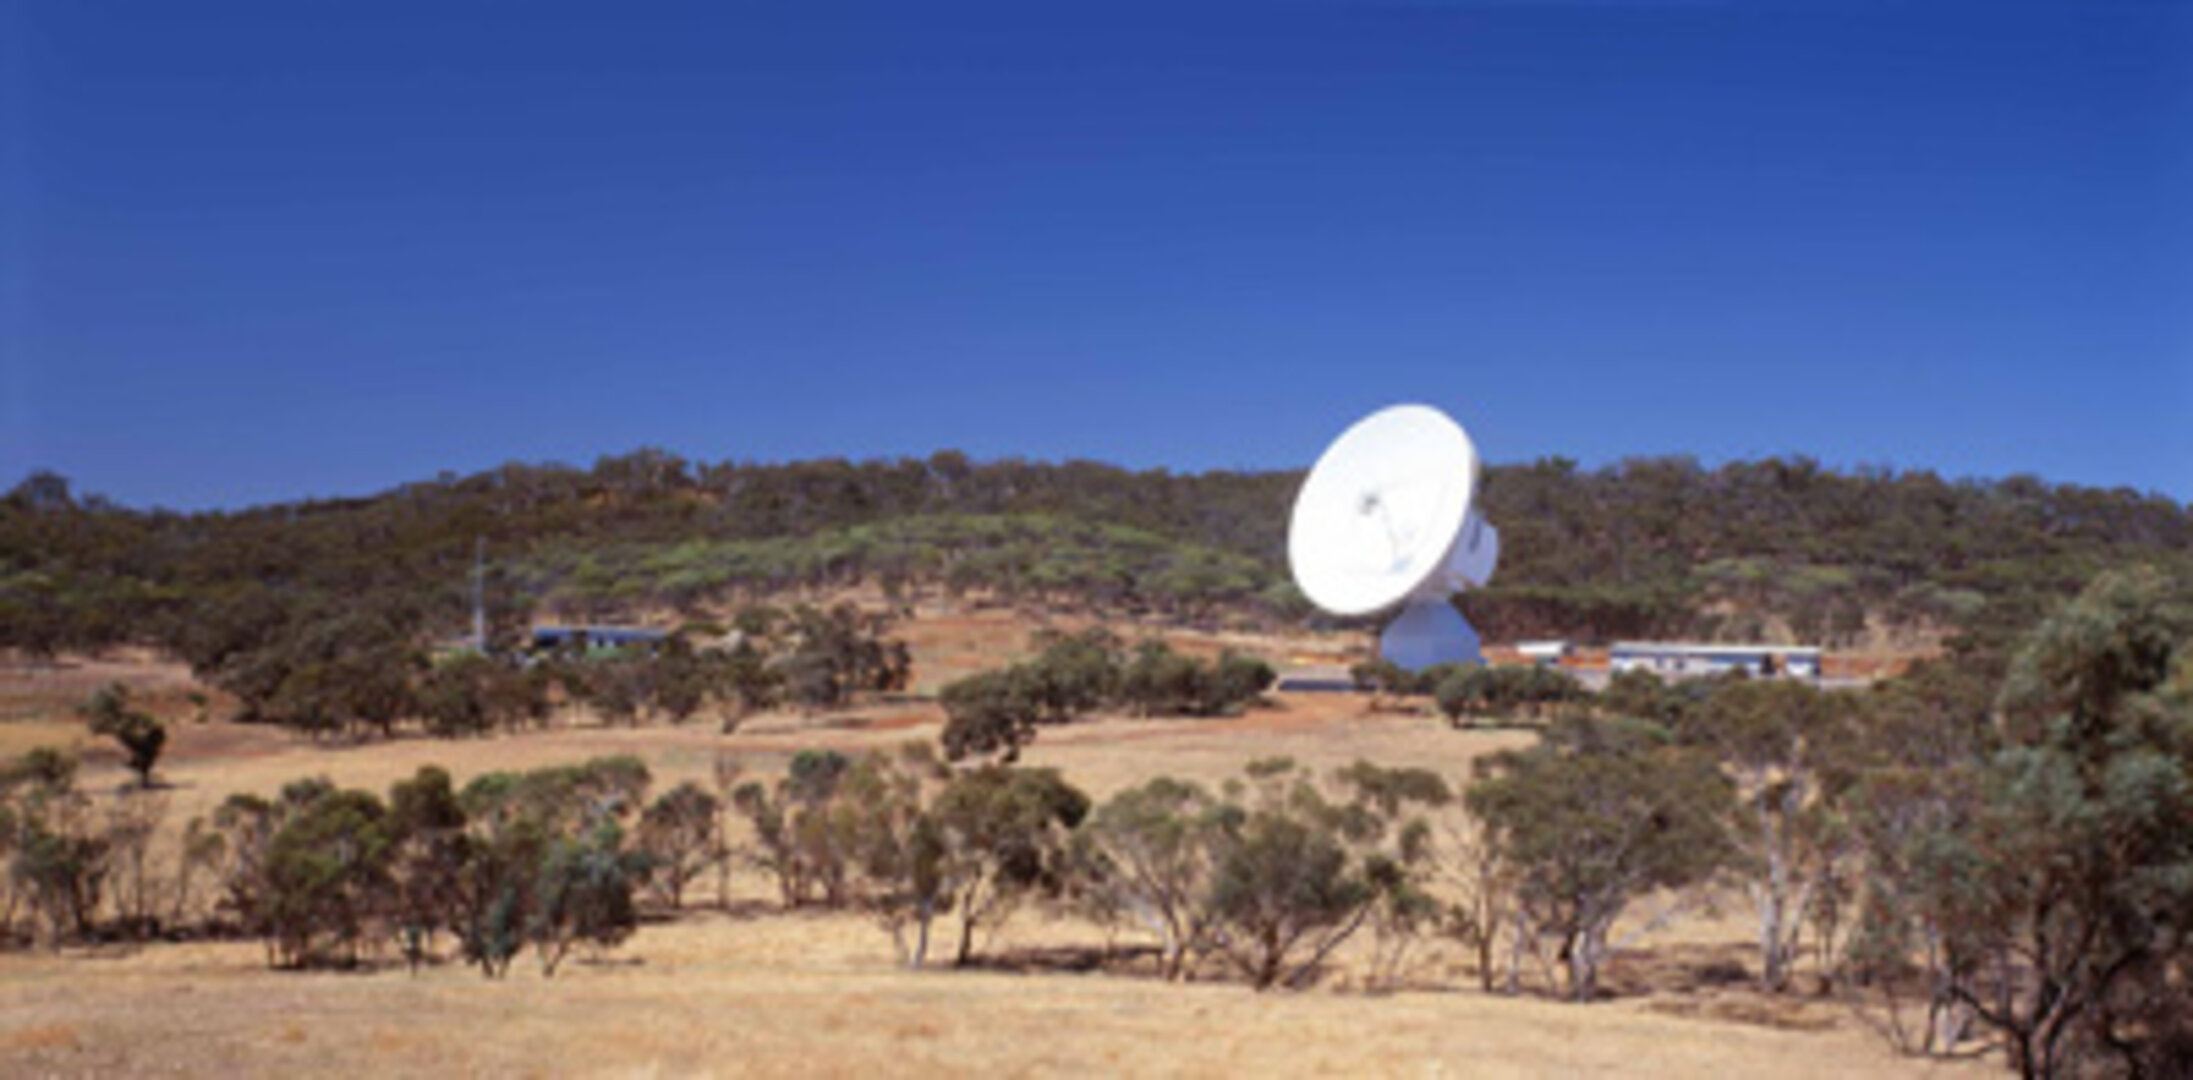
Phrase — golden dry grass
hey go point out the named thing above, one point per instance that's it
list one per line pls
(773, 994)
(799, 996)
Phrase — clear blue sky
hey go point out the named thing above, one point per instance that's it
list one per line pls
(253, 252)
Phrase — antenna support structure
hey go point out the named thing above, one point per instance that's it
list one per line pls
(1386, 521)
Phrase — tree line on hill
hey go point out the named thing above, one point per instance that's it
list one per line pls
(1644, 548)
(1979, 854)
(354, 678)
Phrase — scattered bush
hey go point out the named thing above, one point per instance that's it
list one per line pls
(1504, 693)
(583, 895)
(141, 736)
(471, 694)
(327, 878)
(998, 712)
(679, 834)
(802, 839)
(994, 712)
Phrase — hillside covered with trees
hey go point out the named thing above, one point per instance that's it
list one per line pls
(1648, 547)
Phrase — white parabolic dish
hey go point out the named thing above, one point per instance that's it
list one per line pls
(1383, 512)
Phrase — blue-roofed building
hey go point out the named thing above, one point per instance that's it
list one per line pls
(594, 638)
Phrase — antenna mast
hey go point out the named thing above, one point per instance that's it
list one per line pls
(479, 593)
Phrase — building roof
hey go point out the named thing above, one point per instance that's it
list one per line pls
(1697, 648)
(598, 633)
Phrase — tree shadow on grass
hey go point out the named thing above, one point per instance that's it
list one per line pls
(708, 911)
(1713, 982)
(1070, 960)
(1678, 969)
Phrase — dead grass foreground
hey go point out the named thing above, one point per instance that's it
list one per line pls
(807, 996)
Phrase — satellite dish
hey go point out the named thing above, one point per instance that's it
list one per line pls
(1386, 518)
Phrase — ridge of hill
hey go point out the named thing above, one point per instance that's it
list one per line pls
(1780, 547)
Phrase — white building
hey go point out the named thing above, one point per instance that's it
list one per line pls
(1682, 660)
(1543, 653)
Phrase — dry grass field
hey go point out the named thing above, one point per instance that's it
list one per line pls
(815, 996)
(751, 991)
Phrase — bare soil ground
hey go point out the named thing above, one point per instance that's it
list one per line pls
(754, 991)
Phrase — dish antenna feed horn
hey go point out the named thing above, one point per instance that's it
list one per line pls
(1387, 518)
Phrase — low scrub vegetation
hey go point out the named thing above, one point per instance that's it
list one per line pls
(1032, 558)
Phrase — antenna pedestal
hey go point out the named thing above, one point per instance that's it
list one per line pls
(1429, 631)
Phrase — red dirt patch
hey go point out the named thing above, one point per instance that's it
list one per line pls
(900, 721)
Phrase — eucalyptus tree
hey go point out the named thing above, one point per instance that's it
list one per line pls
(1790, 749)
(1002, 836)
(1146, 858)
(2067, 896)
(679, 834)
(1597, 814)
(1299, 873)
